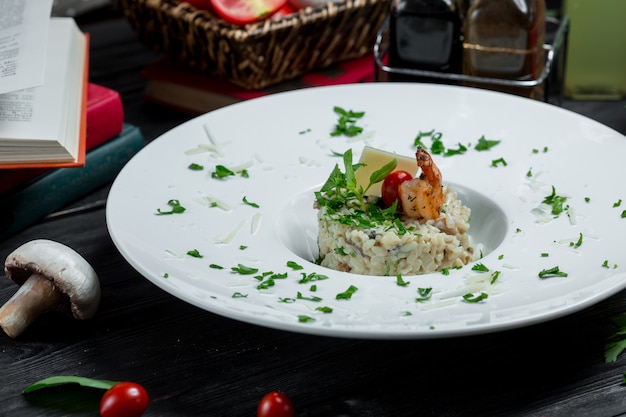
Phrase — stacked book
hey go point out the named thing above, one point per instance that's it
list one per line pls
(62, 138)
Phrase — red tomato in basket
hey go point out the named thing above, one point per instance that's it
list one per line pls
(390, 186)
(241, 12)
(286, 10)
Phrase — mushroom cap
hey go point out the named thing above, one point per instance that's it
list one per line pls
(69, 272)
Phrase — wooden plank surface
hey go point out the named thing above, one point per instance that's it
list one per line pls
(194, 363)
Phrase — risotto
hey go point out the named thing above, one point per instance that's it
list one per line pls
(358, 234)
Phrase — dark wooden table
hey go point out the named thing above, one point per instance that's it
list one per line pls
(193, 362)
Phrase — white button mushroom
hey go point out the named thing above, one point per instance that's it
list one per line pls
(52, 277)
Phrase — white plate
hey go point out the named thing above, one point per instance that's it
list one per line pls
(285, 140)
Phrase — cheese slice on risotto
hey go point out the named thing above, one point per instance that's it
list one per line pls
(373, 159)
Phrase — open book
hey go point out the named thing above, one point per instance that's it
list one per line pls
(45, 126)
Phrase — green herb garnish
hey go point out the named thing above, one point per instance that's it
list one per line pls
(424, 294)
(401, 282)
(552, 272)
(471, 298)
(480, 267)
(176, 208)
(293, 265)
(244, 270)
(485, 144)
(340, 192)
(347, 294)
(555, 201)
(251, 204)
(194, 253)
(578, 242)
(195, 167)
(221, 172)
(346, 125)
(499, 161)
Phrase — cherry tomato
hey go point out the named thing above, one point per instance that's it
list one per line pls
(285, 10)
(390, 186)
(126, 399)
(241, 12)
(275, 404)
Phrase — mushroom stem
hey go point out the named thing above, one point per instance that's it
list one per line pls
(35, 297)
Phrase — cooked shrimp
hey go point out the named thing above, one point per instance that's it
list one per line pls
(422, 197)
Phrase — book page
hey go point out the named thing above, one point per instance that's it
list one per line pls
(23, 41)
(47, 116)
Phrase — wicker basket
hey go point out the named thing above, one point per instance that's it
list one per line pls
(261, 54)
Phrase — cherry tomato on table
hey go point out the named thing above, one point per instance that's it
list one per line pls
(275, 404)
(125, 399)
(390, 186)
(241, 12)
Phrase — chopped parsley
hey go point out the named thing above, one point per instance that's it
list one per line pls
(471, 298)
(480, 267)
(485, 144)
(239, 295)
(312, 298)
(347, 294)
(293, 265)
(578, 242)
(305, 319)
(222, 172)
(555, 201)
(499, 161)
(424, 294)
(176, 208)
(244, 270)
(194, 253)
(494, 277)
(313, 276)
(195, 167)
(552, 272)
(346, 125)
(249, 203)
(401, 282)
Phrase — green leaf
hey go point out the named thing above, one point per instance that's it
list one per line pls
(347, 294)
(67, 379)
(221, 172)
(552, 272)
(244, 270)
(485, 144)
(471, 298)
(176, 208)
(380, 174)
(350, 177)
